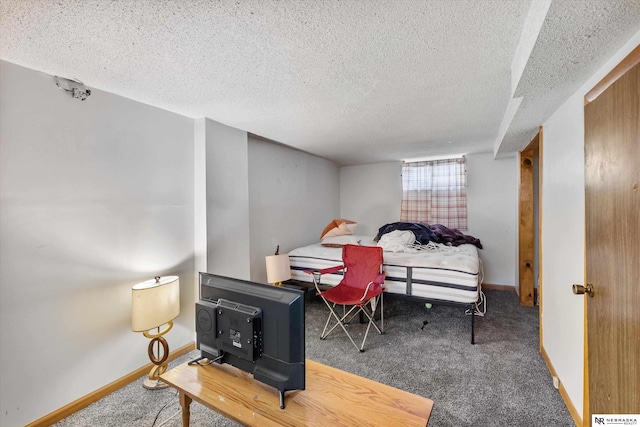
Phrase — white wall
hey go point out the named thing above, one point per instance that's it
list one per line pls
(492, 206)
(563, 234)
(96, 196)
(227, 188)
(371, 194)
(200, 237)
(292, 197)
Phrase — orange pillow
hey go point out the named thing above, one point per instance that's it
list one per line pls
(338, 227)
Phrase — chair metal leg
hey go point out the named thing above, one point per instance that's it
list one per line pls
(340, 321)
(350, 314)
(365, 336)
(371, 321)
(326, 324)
(380, 299)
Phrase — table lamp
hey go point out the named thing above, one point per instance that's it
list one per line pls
(278, 269)
(155, 303)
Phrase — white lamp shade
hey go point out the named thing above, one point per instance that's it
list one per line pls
(278, 268)
(154, 303)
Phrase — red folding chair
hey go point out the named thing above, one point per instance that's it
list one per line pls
(360, 286)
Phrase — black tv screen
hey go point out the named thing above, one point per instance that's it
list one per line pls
(255, 327)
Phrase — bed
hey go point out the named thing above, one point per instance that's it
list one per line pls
(439, 274)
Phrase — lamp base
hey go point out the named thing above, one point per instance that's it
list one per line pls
(158, 358)
(154, 384)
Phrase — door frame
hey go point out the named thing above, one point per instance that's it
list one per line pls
(528, 203)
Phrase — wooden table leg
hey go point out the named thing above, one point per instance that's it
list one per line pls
(185, 402)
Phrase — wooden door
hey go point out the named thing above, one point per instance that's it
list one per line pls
(612, 258)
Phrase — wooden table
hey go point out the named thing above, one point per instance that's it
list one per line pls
(332, 398)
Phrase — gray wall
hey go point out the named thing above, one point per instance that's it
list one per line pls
(96, 196)
(99, 195)
(371, 195)
(227, 193)
(492, 203)
(292, 197)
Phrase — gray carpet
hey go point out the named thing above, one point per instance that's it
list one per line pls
(500, 381)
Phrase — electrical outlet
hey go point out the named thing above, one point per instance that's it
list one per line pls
(556, 382)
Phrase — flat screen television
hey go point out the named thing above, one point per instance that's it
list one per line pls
(255, 327)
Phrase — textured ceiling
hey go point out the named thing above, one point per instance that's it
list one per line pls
(576, 39)
(352, 81)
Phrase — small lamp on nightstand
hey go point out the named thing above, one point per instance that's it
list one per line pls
(278, 269)
(155, 303)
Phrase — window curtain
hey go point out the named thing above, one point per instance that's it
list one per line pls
(435, 192)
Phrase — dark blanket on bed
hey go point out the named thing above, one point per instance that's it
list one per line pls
(426, 233)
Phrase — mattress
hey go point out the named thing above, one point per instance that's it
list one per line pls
(451, 274)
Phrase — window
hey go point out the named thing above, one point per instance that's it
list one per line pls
(435, 192)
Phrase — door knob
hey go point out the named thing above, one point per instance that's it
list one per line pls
(579, 289)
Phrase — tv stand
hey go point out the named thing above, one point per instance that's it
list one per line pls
(236, 395)
(196, 361)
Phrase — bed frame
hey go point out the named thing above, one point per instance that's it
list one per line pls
(467, 306)
(408, 282)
